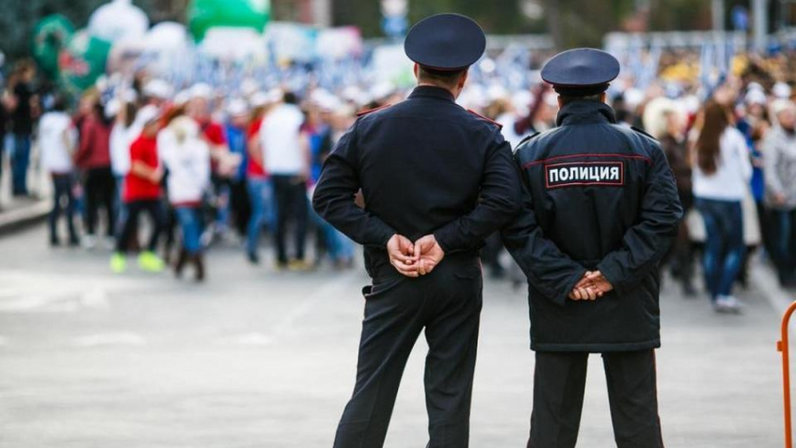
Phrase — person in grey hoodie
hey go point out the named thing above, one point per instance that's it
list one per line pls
(779, 152)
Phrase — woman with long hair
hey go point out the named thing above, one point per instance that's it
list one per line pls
(720, 178)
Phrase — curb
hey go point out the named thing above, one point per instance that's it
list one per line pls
(18, 219)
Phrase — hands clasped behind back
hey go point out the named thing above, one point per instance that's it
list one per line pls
(592, 286)
(414, 259)
(421, 257)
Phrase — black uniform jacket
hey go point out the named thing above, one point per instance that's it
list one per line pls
(425, 165)
(598, 196)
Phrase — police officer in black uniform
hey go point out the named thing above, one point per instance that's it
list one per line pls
(436, 180)
(601, 210)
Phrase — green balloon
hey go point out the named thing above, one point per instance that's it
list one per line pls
(83, 60)
(50, 35)
(206, 14)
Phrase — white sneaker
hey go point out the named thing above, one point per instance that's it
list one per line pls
(734, 304)
(89, 242)
(109, 242)
(727, 304)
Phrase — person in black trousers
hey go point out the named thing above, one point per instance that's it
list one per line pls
(598, 218)
(290, 193)
(436, 181)
(93, 158)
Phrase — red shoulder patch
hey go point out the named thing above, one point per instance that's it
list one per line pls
(367, 111)
(500, 126)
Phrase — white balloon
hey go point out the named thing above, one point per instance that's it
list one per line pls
(166, 36)
(231, 43)
(116, 20)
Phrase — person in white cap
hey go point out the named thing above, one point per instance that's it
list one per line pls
(754, 125)
(156, 91)
(782, 90)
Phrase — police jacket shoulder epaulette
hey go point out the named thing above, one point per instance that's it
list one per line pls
(643, 132)
(371, 110)
(527, 138)
(488, 120)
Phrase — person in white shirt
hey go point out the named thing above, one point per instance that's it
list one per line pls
(721, 175)
(125, 129)
(186, 157)
(57, 138)
(286, 154)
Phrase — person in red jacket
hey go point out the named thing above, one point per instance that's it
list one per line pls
(94, 159)
(142, 193)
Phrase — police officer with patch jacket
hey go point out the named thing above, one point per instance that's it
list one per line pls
(436, 181)
(601, 210)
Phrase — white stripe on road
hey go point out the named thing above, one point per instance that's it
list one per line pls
(3, 341)
(109, 339)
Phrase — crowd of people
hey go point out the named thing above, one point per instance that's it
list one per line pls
(193, 162)
(220, 165)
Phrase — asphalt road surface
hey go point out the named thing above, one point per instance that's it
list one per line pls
(255, 358)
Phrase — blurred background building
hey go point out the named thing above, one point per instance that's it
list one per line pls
(570, 22)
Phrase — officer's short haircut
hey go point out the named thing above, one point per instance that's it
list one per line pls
(446, 78)
(567, 99)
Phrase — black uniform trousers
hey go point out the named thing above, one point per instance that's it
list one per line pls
(559, 382)
(447, 303)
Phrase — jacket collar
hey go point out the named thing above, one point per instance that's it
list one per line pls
(432, 92)
(584, 112)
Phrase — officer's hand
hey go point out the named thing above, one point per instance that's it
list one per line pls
(430, 254)
(583, 294)
(596, 280)
(584, 290)
(401, 252)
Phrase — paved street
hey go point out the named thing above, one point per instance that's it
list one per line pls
(259, 359)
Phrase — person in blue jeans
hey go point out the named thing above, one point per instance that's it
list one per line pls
(724, 246)
(189, 218)
(261, 197)
(329, 122)
(186, 156)
(259, 187)
(720, 181)
(21, 124)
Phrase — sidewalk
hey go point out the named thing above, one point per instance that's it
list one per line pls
(17, 213)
